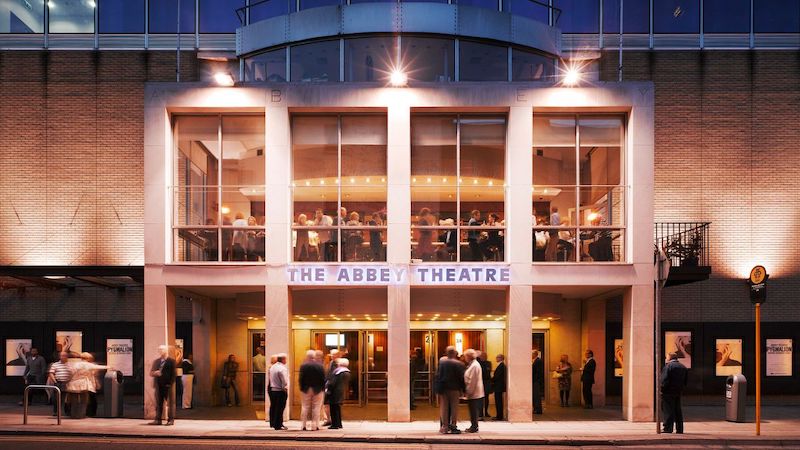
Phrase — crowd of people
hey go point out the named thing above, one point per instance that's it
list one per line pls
(238, 242)
(559, 244)
(313, 242)
(484, 244)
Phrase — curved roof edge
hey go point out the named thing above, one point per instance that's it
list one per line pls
(437, 18)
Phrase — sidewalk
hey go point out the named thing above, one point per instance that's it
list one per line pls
(780, 427)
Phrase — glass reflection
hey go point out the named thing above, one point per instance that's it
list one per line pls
(429, 59)
(269, 66)
(529, 66)
(22, 17)
(482, 62)
(316, 62)
(71, 16)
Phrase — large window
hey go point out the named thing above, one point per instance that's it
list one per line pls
(71, 16)
(483, 62)
(163, 16)
(530, 66)
(369, 59)
(219, 16)
(121, 16)
(22, 17)
(218, 194)
(429, 59)
(268, 66)
(457, 187)
(776, 16)
(339, 187)
(635, 16)
(726, 16)
(539, 12)
(578, 16)
(315, 62)
(676, 16)
(578, 188)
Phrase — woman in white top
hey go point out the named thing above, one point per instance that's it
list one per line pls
(83, 385)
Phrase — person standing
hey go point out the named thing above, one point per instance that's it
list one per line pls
(473, 236)
(587, 379)
(188, 382)
(416, 364)
(312, 385)
(163, 372)
(499, 386)
(564, 371)
(486, 376)
(35, 371)
(552, 244)
(278, 392)
(60, 374)
(325, 236)
(538, 382)
(228, 382)
(674, 377)
(448, 386)
(337, 389)
(473, 380)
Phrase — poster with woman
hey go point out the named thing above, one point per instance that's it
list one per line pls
(679, 342)
(728, 357)
(618, 358)
(16, 354)
(70, 342)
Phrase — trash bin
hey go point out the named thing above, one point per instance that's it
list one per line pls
(112, 393)
(735, 396)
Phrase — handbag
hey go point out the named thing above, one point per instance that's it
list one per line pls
(224, 383)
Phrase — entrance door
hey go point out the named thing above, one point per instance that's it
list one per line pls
(375, 366)
(258, 366)
(349, 345)
(538, 343)
(423, 343)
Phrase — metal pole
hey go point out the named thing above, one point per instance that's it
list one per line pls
(178, 46)
(621, 2)
(758, 369)
(657, 340)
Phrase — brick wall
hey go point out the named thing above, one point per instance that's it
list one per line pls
(726, 151)
(71, 166)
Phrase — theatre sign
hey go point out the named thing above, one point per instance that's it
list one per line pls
(377, 275)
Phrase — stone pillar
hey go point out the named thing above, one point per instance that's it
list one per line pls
(204, 350)
(593, 337)
(399, 338)
(398, 203)
(518, 359)
(637, 334)
(278, 329)
(159, 329)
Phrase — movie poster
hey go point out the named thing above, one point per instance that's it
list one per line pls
(779, 357)
(70, 342)
(728, 357)
(679, 342)
(16, 354)
(618, 358)
(119, 355)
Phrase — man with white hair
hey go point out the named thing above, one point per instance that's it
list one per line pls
(337, 390)
(163, 373)
(278, 391)
(312, 385)
(326, 412)
(473, 380)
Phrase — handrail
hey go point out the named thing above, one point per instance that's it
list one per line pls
(25, 400)
(686, 243)
(241, 13)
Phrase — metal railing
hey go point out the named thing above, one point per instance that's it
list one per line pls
(40, 386)
(687, 244)
(296, 5)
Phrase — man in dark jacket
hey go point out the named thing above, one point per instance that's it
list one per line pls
(486, 377)
(416, 364)
(337, 388)
(35, 372)
(448, 386)
(538, 382)
(499, 386)
(674, 377)
(163, 373)
(587, 378)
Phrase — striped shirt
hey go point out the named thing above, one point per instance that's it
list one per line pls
(61, 372)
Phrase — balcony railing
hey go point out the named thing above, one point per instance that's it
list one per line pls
(687, 245)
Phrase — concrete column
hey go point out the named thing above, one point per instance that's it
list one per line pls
(399, 328)
(159, 329)
(204, 350)
(518, 359)
(278, 193)
(398, 203)
(593, 337)
(519, 206)
(637, 335)
(278, 329)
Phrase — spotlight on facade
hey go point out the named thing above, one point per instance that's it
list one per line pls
(223, 79)
(572, 76)
(398, 78)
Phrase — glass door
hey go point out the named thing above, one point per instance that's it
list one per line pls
(258, 366)
(349, 346)
(375, 366)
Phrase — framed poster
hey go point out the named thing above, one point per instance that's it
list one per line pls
(728, 357)
(779, 357)
(70, 342)
(16, 354)
(618, 358)
(679, 342)
(119, 355)
(178, 357)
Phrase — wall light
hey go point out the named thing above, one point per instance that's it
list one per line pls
(572, 76)
(223, 79)
(398, 78)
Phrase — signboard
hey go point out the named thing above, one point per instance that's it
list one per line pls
(387, 275)
(618, 358)
(779, 357)
(758, 284)
(16, 354)
(728, 357)
(70, 342)
(679, 342)
(119, 355)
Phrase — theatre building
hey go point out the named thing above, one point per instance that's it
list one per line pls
(389, 178)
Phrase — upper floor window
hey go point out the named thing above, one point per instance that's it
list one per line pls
(530, 66)
(676, 16)
(578, 16)
(218, 192)
(71, 16)
(315, 62)
(219, 16)
(578, 188)
(369, 59)
(776, 16)
(635, 16)
(538, 11)
(483, 62)
(457, 187)
(163, 16)
(22, 17)
(339, 187)
(726, 16)
(428, 59)
(121, 16)
(268, 66)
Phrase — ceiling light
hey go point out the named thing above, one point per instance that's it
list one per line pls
(398, 78)
(572, 76)
(225, 210)
(223, 79)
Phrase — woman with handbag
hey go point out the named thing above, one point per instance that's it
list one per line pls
(228, 381)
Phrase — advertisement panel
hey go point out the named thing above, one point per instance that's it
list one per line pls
(16, 354)
(779, 357)
(728, 357)
(119, 355)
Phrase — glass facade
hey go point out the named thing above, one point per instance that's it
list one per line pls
(121, 16)
(578, 16)
(218, 193)
(578, 188)
(269, 66)
(776, 16)
(676, 16)
(369, 59)
(636, 16)
(339, 188)
(482, 62)
(219, 16)
(726, 16)
(458, 187)
(428, 59)
(71, 16)
(315, 62)
(530, 66)
(163, 16)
